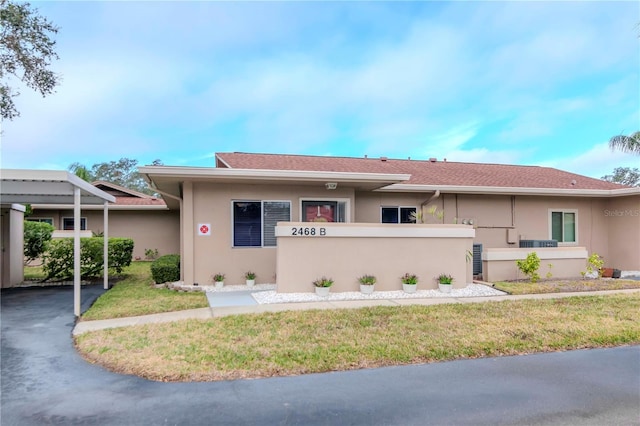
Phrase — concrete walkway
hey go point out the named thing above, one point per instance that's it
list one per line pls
(215, 312)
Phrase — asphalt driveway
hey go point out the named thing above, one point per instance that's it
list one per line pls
(44, 381)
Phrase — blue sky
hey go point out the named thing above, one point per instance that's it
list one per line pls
(538, 83)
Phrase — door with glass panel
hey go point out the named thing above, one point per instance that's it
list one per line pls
(322, 211)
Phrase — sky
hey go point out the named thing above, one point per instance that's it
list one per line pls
(532, 83)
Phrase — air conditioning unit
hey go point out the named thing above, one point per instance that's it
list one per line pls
(538, 243)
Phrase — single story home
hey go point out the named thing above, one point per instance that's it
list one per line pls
(144, 218)
(293, 218)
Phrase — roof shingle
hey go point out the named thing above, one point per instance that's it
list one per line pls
(425, 172)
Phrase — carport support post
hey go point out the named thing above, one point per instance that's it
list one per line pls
(105, 236)
(76, 251)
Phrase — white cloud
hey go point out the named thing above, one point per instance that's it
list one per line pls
(596, 162)
(140, 78)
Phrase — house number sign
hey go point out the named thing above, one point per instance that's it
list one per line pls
(308, 232)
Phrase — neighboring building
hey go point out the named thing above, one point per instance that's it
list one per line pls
(144, 218)
(241, 200)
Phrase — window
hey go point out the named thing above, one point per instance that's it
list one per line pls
(41, 219)
(254, 222)
(398, 214)
(563, 226)
(67, 223)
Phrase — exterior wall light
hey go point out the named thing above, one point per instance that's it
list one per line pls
(331, 185)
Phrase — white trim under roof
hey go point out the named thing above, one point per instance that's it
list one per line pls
(285, 175)
(112, 207)
(26, 187)
(483, 190)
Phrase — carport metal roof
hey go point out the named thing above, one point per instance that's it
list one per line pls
(57, 187)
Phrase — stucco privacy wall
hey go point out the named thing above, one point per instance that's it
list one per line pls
(499, 264)
(622, 216)
(149, 229)
(345, 251)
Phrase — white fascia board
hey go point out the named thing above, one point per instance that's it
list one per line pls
(48, 182)
(257, 174)
(399, 187)
(112, 207)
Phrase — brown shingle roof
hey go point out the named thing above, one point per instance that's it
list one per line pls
(128, 197)
(424, 172)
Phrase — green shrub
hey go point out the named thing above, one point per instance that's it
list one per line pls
(58, 258)
(594, 266)
(166, 269)
(36, 237)
(530, 266)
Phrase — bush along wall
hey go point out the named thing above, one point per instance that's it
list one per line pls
(36, 237)
(166, 269)
(58, 257)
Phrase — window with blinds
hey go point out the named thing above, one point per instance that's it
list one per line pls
(254, 222)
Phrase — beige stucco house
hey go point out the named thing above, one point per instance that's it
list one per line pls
(144, 218)
(291, 218)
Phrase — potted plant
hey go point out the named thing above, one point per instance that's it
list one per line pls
(367, 284)
(409, 282)
(323, 285)
(250, 278)
(444, 282)
(218, 279)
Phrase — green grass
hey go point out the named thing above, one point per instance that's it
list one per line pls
(300, 342)
(134, 295)
(558, 286)
(34, 273)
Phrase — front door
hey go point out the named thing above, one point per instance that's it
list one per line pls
(320, 211)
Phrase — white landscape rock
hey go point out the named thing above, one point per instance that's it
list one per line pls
(472, 290)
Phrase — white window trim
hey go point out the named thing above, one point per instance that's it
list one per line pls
(563, 211)
(398, 208)
(86, 223)
(347, 206)
(261, 222)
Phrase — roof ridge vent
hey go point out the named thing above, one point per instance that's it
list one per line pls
(383, 158)
(433, 159)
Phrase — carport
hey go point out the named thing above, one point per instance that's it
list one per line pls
(20, 187)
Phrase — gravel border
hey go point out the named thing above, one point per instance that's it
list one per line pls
(472, 290)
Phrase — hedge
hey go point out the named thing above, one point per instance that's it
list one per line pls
(36, 236)
(166, 269)
(58, 257)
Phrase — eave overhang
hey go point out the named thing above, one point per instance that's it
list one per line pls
(167, 178)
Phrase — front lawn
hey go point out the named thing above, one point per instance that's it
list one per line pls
(134, 295)
(561, 286)
(301, 342)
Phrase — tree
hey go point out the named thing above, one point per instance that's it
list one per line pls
(625, 176)
(26, 52)
(81, 171)
(123, 172)
(625, 143)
